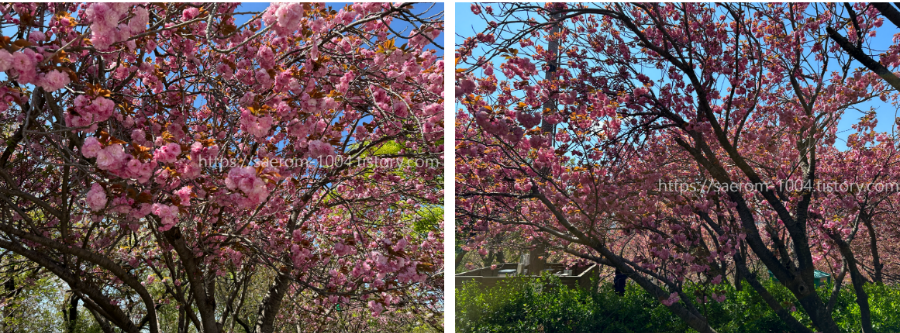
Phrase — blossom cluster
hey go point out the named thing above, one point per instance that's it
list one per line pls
(88, 112)
(106, 27)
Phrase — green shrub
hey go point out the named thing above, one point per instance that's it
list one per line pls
(544, 305)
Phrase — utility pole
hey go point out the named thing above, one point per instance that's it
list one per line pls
(548, 129)
(552, 48)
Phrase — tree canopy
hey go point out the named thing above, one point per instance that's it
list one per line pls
(195, 167)
(683, 143)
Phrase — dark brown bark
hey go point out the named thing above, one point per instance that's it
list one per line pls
(36, 104)
(795, 273)
(103, 306)
(182, 321)
(104, 326)
(489, 260)
(783, 314)
(205, 303)
(70, 314)
(89, 256)
(873, 247)
(888, 11)
(243, 324)
(799, 281)
(459, 258)
(864, 58)
(684, 310)
(271, 304)
(856, 278)
(737, 273)
(10, 287)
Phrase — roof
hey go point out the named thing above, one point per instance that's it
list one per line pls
(820, 274)
(816, 275)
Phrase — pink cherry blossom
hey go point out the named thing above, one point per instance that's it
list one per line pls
(719, 297)
(376, 308)
(189, 13)
(109, 96)
(90, 111)
(476, 9)
(319, 149)
(167, 214)
(266, 57)
(568, 144)
(23, 66)
(245, 180)
(6, 60)
(256, 126)
(289, 15)
(96, 197)
(342, 250)
(37, 36)
(91, 147)
(112, 157)
(54, 80)
(138, 136)
(184, 194)
(673, 298)
(168, 153)
(141, 171)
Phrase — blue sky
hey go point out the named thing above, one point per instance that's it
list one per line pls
(468, 24)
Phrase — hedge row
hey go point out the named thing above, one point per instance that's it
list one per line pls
(546, 306)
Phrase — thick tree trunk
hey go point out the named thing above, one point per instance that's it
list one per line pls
(888, 11)
(500, 257)
(93, 298)
(799, 279)
(70, 314)
(856, 278)
(686, 312)
(737, 273)
(459, 258)
(10, 287)
(104, 325)
(182, 321)
(199, 284)
(793, 323)
(619, 282)
(873, 247)
(488, 260)
(271, 304)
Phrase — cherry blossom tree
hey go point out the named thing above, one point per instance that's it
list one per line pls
(856, 26)
(870, 162)
(675, 143)
(875, 212)
(212, 167)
